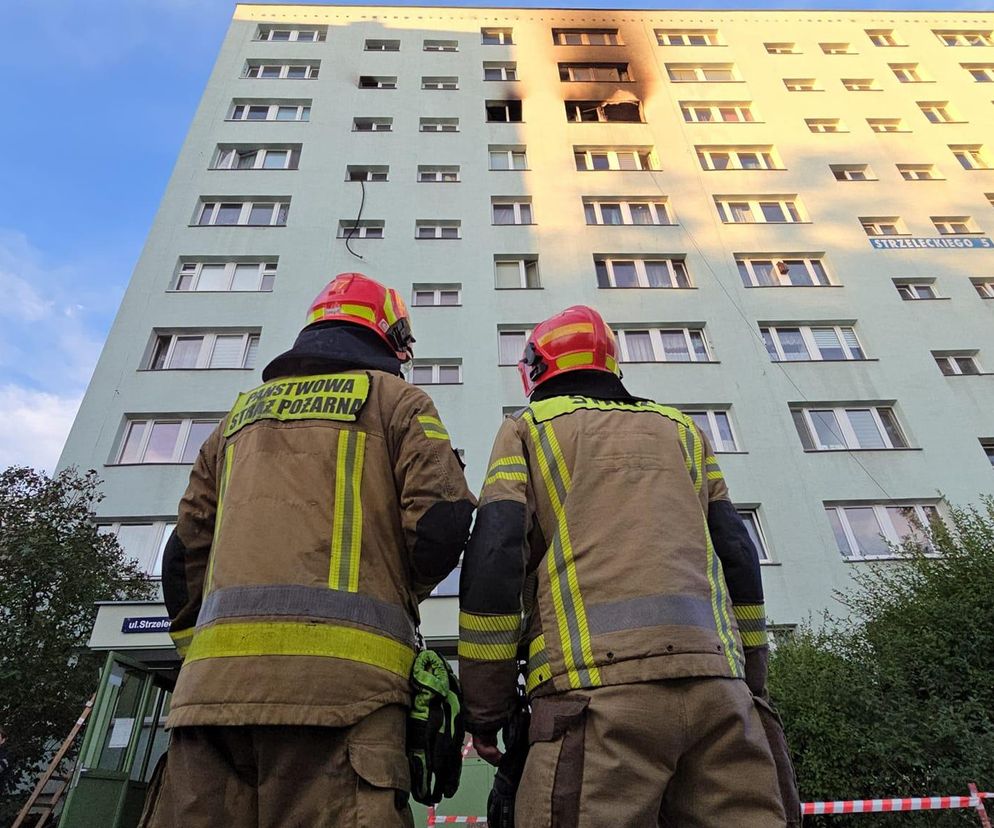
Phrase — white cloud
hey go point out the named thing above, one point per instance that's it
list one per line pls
(36, 425)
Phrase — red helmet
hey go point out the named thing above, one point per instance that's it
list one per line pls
(577, 339)
(352, 297)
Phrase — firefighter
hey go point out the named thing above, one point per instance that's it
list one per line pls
(606, 552)
(326, 505)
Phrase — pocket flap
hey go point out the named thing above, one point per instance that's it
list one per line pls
(382, 766)
(551, 718)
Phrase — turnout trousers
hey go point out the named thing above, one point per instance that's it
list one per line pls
(277, 776)
(680, 753)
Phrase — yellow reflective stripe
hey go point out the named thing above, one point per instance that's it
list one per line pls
(566, 330)
(181, 640)
(752, 612)
(229, 457)
(487, 652)
(572, 360)
(295, 638)
(433, 428)
(754, 639)
(536, 645)
(361, 311)
(518, 477)
(538, 670)
(719, 605)
(715, 475)
(489, 623)
(612, 364)
(388, 309)
(346, 538)
(512, 460)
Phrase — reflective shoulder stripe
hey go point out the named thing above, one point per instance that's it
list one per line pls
(433, 427)
(507, 468)
(318, 397)
(712, 469)
(538, 670)
(489, 637)
(181, 640)
(545, 410)
(572, 360)
(751, 620)
(346, 537)
(293, 638)
(719, 607)
(229, 461)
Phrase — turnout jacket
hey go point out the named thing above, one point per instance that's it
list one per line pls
(605, 551)
(318, 514)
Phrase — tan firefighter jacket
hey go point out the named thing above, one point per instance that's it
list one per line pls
(318, 514)
(591, 557)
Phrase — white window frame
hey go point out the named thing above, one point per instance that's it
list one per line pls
(955, 369)
(910, 291)
(743, 111)
(783, 48)
(272, 111)
(964, 37)
(317, 35)
(884, 522)
(907, 72)
(574, 109)
(881, 226)
(438, 228)
(750, 514)
(885, 125)
(281, 209)
(847, 435)
(658, 349)
(376, 44)
(440, 82)
(641, 273)
(811, 345)
(702, 72)
(971, 157)
(372, 124)
(208, 342)
(713, 433)
(984, 287)
(254, 70)
(802, 85)
(861, 85)
(766, 155)
(687, 37)
(659, 211)
(267, 273)
(582, 37)
(938, 112)
(438, 174)
(496, 36)
(837, 48)
(525, 264)
(883, 37)
(789, 205)
(510, 155)
(825, 126)
(980, 72)
(507, 70)
(436, 372)
(436, 296)
(438, 125)
(379, 82)
(955, 225)
(524, 333)
(228, 158)
(852, 172)
(160, 531)
(577, 72)
(182, 437)
(506, 105)
(521, 208)
(643, 158)
(912, 172)
(369, 173)
(430, 45)
(365, 229)
(746, 262)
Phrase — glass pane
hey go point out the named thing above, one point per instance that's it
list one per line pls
(258, 113)
(276, 159)
(792, 344)
(267, 281)
(639, 346)
(624, 274)
(675, 346)
(840, 536)
(499, 161)
(600, 161)
(764, 272)
(503, 214)
(424, 297)
(186, 351)
(448, 373)
(422, 375)
(162, 443)
(261, 213)
(227, 351)
(199, 432)
(212, 277)
(297, 72)
(641, 214)
(136, 541)
(611, 213)
(801, 424)
(772, 211)
(849, 335)
(866, 529)
(526, 213)
(449, 297)
(450, 584)
(967, 365)
(286, 113)
(507, 275)
(125, 686)
(905, 521)
(627, 161)
(725, 440)
(228, 214)
(246, 277)
(156, 569)
(512, 346)
(864, 425)
(700, 349)
(269, 72)
(603, 280)
(703, 424)
(158, 361)
(827, 342)
(892, 428)
(251, 352)
(827, 429)
(658, 274)
(739, 211)
(132, 441)
(752, 527)
(185, 281)
(246, 160)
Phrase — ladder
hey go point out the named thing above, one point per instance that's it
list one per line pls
(43, 799)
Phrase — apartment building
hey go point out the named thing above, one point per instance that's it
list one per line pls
(786, 216)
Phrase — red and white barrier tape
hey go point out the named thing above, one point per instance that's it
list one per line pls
(449, 820)
(910, 803)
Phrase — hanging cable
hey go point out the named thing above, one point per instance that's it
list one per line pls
(358, 218)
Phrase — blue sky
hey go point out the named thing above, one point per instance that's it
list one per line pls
(97, 98)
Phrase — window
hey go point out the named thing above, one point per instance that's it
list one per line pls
(165, 440)
(372, 124)
(804, 271)
(860, 84)
(750, 517)
(801, 343)
(716, 426)
(729, 112)
(441, 295)
(438, 125)
(440, 82)
(615, 158)
(202, 351)
(253, 109)
(883, 37)
(984, 288)
(782, 48)
(364, 229)
(511, 346)
(356, 172)
(234, 276)
(382, 45)
(837, 48)
(871, 530)
(919, 172)
(847, 428)
(802, 85)
(883, 226)
(624, 211)
(954, 225)
(508, 157)
(988, 447)
(759, 209)
(701, 72)
(688, 37)
(964, 37)
(516, 273)
(887, 125)
(724, 157)
(938, 112)
(907, 72)
(496, 37)
(292, 35)
(503, 111)
(852, 172)
(980, 72)
(663, 345)
(142, 541)
(915, 291)
(611, 72)
(825, 125)
(957, 363)
(971, 157)
(586, 37)
(241, 157)
(282, 71)
(377, 81)
(424, 372)
(500, 71)
(437, 228)
(441, 46)
(445, 174)
(511, 210)
(630, 111)
(243, 213)
(642, 272)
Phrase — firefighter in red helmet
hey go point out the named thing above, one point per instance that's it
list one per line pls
(326, 505)
(607, 556)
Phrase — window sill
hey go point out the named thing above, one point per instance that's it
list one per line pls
(857, 180)
(504, 169)
(366, 181)
(265, 121)
(179, 370)
(777, 223)
(670, 362)
(456, 238)
(359, 238)
(745, 169)
(429, 181)
(141, 465)
(769, 563)
(977, 234)
(236, 225)
(822, 361)
(505, 122)
(646, 287)
(716, 123)
(252, 169)
(568, 80)
(861, 450)
(620, 170)
(632, 224)
(437, 306)
(501, 80)
(431, 384)
(519, 288)
(704, 80)
(959, 376)
(176, 290)
(764, 287)
(928, 299)
(514, 224)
